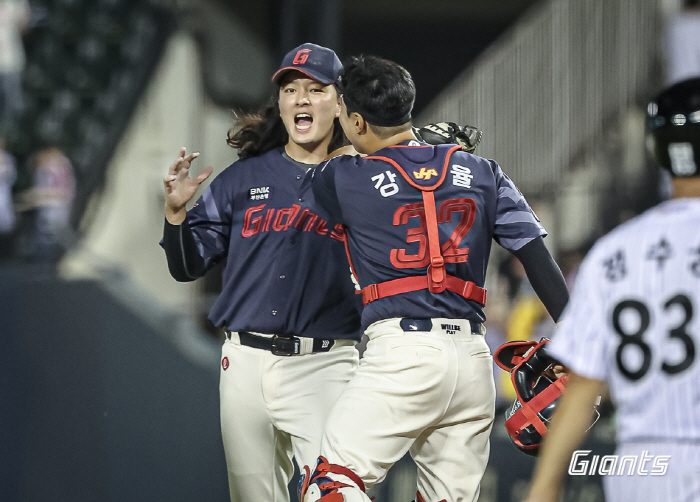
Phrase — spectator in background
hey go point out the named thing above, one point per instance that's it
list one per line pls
(14, 20)
(51, 200)
(682, 44)
(8, 175)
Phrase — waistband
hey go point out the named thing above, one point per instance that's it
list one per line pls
(442, 326)
(281, 345)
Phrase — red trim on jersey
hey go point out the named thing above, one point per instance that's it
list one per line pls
(408, 178)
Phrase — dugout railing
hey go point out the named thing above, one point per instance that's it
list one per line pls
(547, 91)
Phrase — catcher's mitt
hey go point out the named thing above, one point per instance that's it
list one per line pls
(468, 137)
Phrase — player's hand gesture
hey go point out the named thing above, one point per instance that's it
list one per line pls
(180, 187)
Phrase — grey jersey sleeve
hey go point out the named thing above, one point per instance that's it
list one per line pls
(516, 223)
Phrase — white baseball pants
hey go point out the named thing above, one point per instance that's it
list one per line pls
(273, 408)
(431, 393)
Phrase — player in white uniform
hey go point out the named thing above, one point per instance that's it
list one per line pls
(634, 323)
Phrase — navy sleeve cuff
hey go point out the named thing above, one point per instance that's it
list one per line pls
(184, 261)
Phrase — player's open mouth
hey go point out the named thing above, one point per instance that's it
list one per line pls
(303, 121)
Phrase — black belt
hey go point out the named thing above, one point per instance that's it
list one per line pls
(282, 345)
(409, 325)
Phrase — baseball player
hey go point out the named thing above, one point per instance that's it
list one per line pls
(419, 221)
(633, 324)
(287, 304)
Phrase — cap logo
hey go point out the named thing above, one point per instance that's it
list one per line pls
(301, 56)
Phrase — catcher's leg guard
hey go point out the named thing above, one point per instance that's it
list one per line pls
(331, 483)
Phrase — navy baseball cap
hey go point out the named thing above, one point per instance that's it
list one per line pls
(319, 63)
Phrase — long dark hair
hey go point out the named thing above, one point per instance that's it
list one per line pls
(256, 133)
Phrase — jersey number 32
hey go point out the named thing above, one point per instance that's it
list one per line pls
(450, 250)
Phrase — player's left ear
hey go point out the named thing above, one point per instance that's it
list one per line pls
(359, 123)
(338, 107)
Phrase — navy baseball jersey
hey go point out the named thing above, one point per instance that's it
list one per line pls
(386, 224)
(287, 271)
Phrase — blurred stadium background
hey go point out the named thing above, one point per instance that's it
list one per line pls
(108, 368)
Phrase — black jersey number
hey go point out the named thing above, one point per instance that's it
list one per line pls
(450, 250)
(636, 338)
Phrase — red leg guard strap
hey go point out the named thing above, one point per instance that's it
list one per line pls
(324, 467)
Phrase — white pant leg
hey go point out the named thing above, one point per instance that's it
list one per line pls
(405, 385)
(394, 395)
(258, 457)
(302, 393)
(274, 407)
(452, 456)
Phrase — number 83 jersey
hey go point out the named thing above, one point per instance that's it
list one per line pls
(633, 321)
(379, 200)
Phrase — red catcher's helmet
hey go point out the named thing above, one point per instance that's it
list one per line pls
(537, 392)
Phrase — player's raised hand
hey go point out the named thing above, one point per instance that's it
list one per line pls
(180, 187)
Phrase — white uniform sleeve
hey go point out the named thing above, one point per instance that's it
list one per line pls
(582, 340)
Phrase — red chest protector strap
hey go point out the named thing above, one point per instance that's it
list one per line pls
(436, 280)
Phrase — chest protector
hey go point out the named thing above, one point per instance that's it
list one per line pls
(427, 180)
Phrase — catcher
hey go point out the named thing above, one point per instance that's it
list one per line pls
(419, 221)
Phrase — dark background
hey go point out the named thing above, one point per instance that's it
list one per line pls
(434, 40)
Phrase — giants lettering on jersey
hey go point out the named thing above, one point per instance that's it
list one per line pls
(257, 219)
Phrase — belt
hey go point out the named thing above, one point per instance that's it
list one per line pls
(409, 325)
(283, 345)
